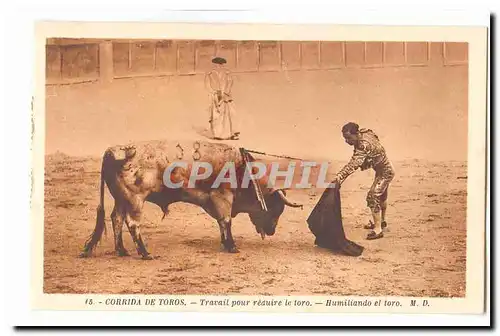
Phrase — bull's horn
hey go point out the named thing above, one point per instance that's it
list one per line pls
(287, 202)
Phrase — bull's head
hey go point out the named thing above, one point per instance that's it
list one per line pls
(266, 221)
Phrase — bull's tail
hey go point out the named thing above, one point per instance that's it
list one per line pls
(100, 226)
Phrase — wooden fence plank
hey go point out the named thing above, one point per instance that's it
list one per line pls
(71, 60)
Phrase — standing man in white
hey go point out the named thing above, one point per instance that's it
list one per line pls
(219, 82)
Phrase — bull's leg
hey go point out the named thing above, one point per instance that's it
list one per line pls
(135, 231)
(226, 236)
(222, 203)
(117, 219)
(133, 220)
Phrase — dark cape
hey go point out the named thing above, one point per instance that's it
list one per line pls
(325, 222)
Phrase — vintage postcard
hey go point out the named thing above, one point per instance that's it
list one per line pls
(259, 168)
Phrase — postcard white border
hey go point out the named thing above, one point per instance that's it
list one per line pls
(135, 318)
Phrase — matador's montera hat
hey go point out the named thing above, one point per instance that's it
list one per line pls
(219, 60)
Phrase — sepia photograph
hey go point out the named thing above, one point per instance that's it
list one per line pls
(260, 167)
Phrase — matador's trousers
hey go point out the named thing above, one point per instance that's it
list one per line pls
(379, 190)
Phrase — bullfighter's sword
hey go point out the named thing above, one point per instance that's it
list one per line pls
(275, 155)
(282, 156)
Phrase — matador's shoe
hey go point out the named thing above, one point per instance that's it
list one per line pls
(371, 226)
(372, 235)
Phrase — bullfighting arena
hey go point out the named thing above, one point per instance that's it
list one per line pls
(419, 113)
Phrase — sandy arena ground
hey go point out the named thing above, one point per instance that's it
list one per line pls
(420, 115)
(424, 253)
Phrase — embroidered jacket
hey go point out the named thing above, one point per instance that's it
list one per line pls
(368, 153)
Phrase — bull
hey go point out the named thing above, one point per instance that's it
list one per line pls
(136, 173)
